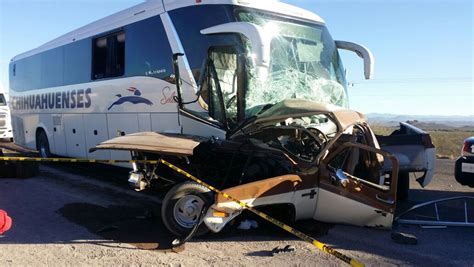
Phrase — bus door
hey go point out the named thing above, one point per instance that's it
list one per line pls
(220, 93)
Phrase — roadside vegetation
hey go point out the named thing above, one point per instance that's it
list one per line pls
(447, 140)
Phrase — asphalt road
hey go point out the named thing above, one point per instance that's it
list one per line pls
(92, 218)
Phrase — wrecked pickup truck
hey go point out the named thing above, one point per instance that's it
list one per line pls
(309, 160)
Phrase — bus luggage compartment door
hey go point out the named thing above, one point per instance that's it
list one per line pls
(59, 136)
(75, 140)
(96, 132)
(121, 124)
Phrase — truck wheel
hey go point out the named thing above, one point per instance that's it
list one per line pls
(182, 207)
(42, 145)
(403, 185)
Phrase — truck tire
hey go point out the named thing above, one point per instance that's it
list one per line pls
(182, 207)
(403, 185)
(42, 144)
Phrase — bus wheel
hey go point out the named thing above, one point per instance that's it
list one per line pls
(182, 207)
(42, 144)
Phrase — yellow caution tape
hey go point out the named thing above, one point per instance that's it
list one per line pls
(76, 160)
(321, 246)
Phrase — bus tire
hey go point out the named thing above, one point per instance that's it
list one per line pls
(182, 207)
(42, 144)
(403, 185)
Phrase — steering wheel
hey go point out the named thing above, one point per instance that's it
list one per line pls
(319, 137)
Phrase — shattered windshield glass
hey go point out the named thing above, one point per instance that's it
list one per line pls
(304, 64)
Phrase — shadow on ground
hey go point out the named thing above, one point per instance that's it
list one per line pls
(144, 229)
(138, 227)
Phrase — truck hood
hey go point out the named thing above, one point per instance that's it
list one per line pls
(294, 108)
(153, 142)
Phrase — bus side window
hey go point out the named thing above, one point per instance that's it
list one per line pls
(108, 56)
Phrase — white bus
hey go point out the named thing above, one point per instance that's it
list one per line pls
(115, 76)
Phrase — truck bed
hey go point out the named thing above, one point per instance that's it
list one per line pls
(414, 150)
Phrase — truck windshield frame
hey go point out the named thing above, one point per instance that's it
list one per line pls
(304, 64)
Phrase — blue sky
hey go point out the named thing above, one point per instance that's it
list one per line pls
(423, 48)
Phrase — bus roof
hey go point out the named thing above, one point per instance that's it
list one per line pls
(152, 8)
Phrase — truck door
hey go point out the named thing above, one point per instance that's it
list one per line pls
(357, 186)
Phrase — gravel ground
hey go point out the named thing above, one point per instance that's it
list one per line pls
(90, 218)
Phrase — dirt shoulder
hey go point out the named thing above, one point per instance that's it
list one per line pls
(65, 219)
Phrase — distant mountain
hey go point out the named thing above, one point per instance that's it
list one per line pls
(423, 120)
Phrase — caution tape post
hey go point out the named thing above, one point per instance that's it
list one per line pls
(321, 246)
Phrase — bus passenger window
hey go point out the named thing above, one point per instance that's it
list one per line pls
(108, 56)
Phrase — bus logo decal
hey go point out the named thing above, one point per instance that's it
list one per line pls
(168, 96)
(136, 98)
(72, 99)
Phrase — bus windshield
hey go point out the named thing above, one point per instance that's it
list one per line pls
(304, 64)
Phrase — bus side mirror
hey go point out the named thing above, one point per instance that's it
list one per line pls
(259, 39)
(363, 52)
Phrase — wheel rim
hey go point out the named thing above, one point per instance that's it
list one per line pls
(43, 152)
(42, 148)
(187, 209)
(42, 145)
